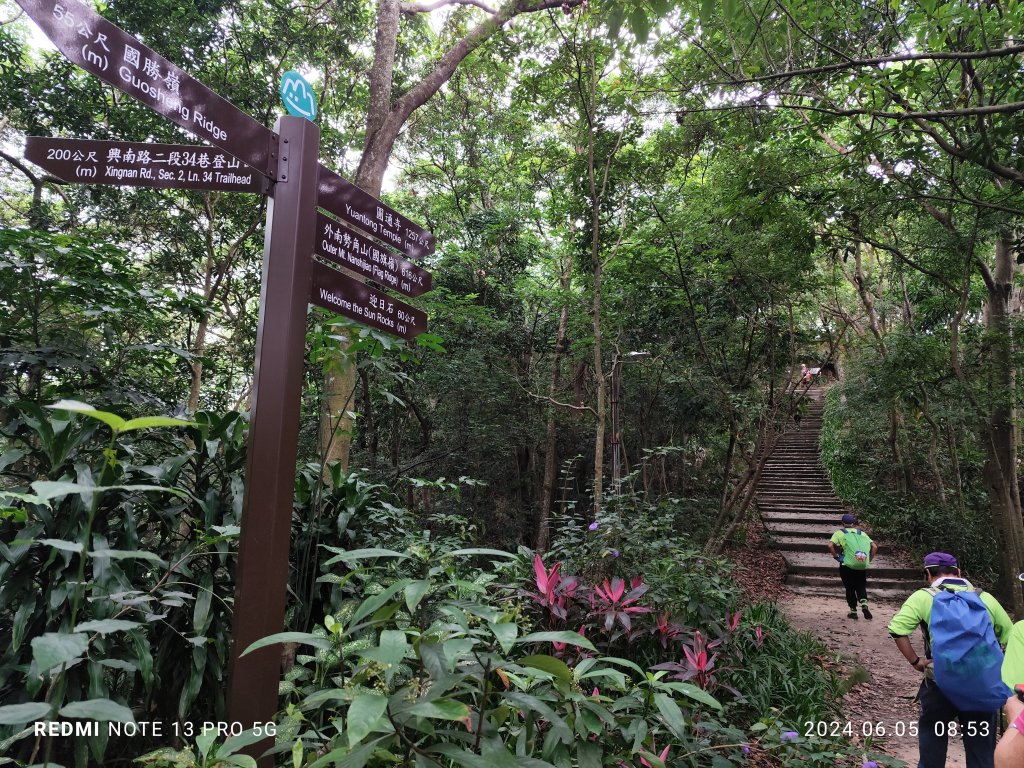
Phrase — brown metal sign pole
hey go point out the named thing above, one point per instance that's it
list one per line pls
(262, 573)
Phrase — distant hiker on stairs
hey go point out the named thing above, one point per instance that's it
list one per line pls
(853, 549)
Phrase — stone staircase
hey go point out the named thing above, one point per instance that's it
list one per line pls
(801, 512)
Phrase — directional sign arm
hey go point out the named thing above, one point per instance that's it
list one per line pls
(107, 51)
(358, 207)
(142, 164)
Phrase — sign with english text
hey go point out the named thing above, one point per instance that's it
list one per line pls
(110, 53)
(337, 292)
(351, 204)
(142, 164)
(347, 248)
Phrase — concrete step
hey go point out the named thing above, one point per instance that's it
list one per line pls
(828, 511)
(900, 588)
(884, 601)
(800, 507)
(786, 472)
(807, 487)
(822, 521)
(793, 530)
(809, 545)
(813, 564)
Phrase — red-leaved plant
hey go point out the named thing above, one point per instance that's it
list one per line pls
(611, 603)
(554, 591)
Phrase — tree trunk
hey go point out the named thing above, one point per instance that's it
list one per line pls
(551, 438)
(1000, 436)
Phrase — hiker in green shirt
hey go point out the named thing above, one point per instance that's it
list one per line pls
(853, 549)
(939, 717)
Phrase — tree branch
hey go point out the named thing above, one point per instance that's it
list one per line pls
(1011, 50)
(428, 7)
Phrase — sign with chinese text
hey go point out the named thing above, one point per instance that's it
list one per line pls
(347, 248)
(110, 53)
(357, 301)
(351, 204)
(142, 164)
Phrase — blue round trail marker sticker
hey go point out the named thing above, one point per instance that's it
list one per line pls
(297, 95)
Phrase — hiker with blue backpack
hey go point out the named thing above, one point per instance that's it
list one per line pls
(962, 690)
(853, 549)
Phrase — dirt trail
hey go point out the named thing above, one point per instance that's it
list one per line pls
(887, 698)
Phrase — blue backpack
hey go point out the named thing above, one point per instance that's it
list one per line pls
(966, 656)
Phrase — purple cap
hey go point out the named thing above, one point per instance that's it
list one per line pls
(849, 519)
(937, 559)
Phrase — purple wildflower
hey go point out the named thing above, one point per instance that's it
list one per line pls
(592, 526)
(789, 736)
(745, 749)
(615, 553)
(870, 764)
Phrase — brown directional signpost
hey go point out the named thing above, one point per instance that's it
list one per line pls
(247, 157)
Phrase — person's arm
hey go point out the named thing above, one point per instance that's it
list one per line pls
(835, 545)
(1000, 620)
(1010, 749)
(903, 643)
(908, 618)
(874, 549)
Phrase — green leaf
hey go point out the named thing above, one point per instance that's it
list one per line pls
(505, 633)
(241, 761)
(62, 544)
(121, 664)
(304, 638)
(415, 592)
(390, 652)
(56, 648)
(705, 12)
(241, 741)
(624, 663)
(640, 24)
(589, 754)
(106, 626)
(18, 714)
(128, 554)
(350, 556)
(113, 421)
(672, 713)
(565, 636)
(442, 709)
(201, 610)
(103, 710)
(616, 14)
(205, 739)
(532, 703)
(693, 692)
(366, 711)
(549, 664)
(155, 421)
(464, 757)
(372, 604)
(50, 489)
(347, 758)
(653, 760)
(484, 551)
